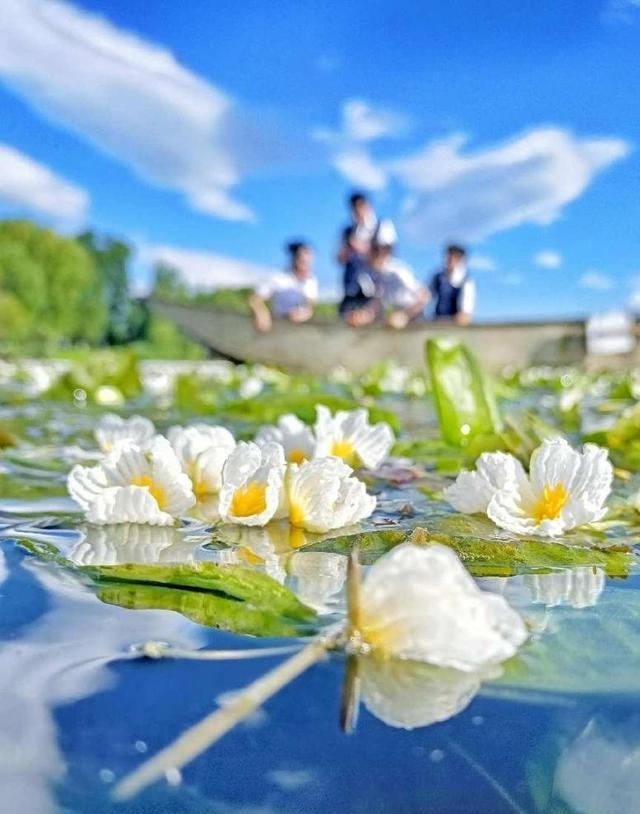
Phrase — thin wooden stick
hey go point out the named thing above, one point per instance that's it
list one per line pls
(162, 650)
(210, 729)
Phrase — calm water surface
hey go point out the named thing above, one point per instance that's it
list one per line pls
(78, 711)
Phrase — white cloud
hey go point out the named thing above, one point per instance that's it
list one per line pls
(361, 123)
(27, 185)
(513, 279)
(131, 99)
(357, 167)
(205, 271)
(481, 262)
(595, 280)
(470, 195)
(548, 259)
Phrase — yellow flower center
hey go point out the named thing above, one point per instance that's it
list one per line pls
(249, 500)
(551, 503)
(201, 489)
(296, 456)
(344, 449)
(296, 515)
(154, 490)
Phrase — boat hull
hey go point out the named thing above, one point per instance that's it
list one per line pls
(319, 347)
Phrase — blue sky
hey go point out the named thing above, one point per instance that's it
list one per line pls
(208, 133)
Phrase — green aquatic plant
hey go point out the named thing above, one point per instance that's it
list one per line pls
(230, 597)
(465, 405)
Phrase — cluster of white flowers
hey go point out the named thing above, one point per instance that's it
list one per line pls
(563, 490)
(291, 471)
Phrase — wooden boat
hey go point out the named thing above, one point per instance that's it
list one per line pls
(320, 346)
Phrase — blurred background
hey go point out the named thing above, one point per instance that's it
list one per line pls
(177, 146)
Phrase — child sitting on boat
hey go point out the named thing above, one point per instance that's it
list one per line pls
(402, 297)
(391, 289)
(291, 294)
(452, 291)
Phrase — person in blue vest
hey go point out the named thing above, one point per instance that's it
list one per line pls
(452, 291)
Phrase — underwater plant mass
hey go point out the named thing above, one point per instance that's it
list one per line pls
(184, 622)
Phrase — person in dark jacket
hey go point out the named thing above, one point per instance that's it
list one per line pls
(452, 291)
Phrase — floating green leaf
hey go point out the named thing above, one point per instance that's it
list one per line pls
(464, 402)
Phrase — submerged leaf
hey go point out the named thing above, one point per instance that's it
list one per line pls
(205, 608)
(590, 650)
(484, 556)
(231, 581)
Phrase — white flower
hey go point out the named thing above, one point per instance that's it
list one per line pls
(495, 471)
(202, 451)
(322, 495)
(133, 484)
(112, 430)
(252, 490)
(420, 603)
(564, 489)
(295, 436)
(348, 435)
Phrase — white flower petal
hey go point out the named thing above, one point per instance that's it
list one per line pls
(322, 495)
(112, 430)
(133, 484)
(495, 471)
(252, 491)
(295, 436)
(420, 603)
(553, 462)
(349, 435)
(127, 504)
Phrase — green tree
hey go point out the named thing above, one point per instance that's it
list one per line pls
(168, 283)
(54, 281)
(111, 257)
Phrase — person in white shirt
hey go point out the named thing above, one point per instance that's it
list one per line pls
(453, 292)
(291, 294)
(402, 297)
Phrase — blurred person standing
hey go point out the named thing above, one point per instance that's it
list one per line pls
(353, 256)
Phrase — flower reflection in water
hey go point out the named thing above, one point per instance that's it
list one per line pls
(407, 694)
(132, 543)
(598, 773)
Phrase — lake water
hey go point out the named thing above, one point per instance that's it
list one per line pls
(558, 732)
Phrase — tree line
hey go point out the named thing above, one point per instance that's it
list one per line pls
(58, 291)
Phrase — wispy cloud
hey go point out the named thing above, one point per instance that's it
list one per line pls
(27, 186)
(357, 167)
(205, 271)
(548, 259)
(595, 280)
(621, 11)
(471, 195)
(361, 124)
(482, 262)
(131, 99)
(513, 278)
